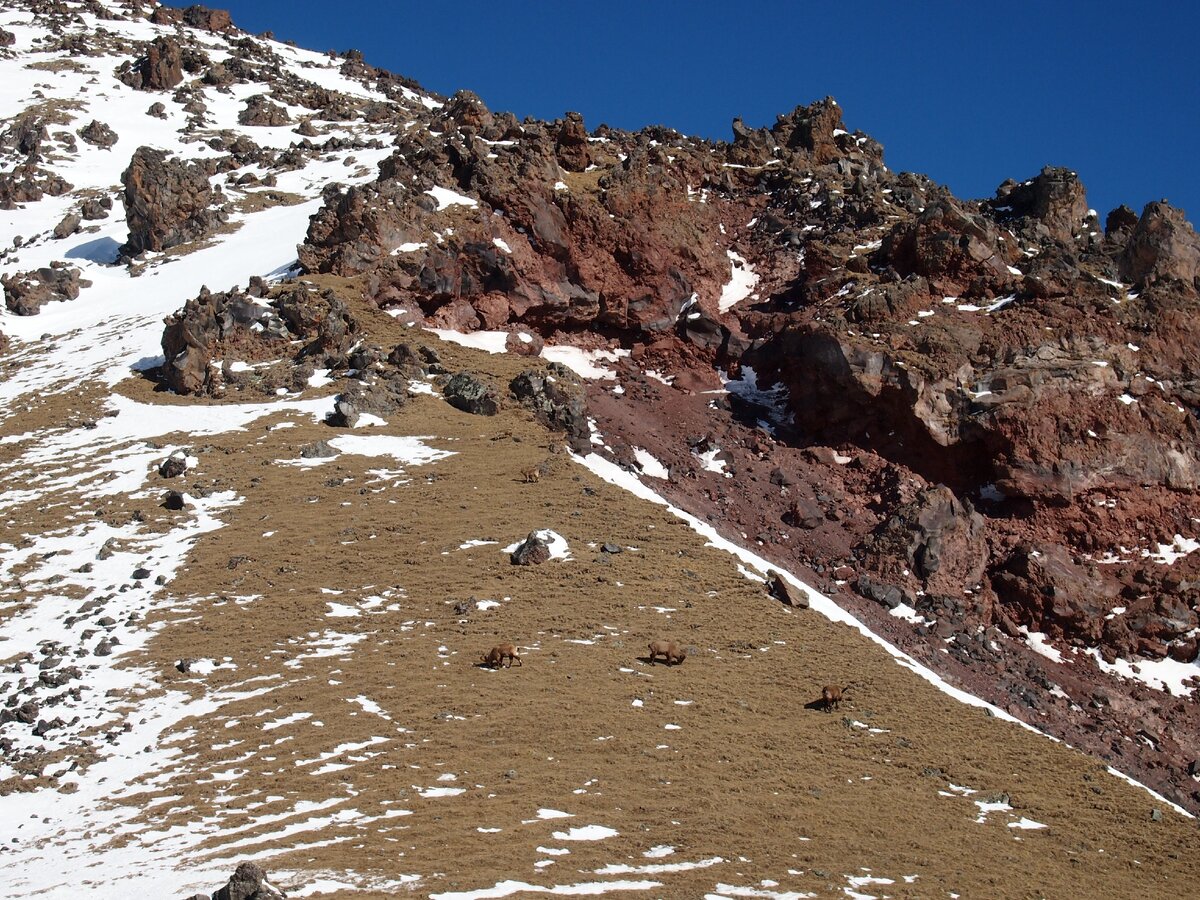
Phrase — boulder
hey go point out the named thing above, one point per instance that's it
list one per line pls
(533, 551)
(159, 70)
(68, 226)
(167, 202)
(557, 399)
(473, 394)
(778, 588)
(26, 292)
(261, 111)
(98, 134)
(248, 882)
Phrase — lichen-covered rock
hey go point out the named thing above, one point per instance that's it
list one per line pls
(472, 393)
(558, 400)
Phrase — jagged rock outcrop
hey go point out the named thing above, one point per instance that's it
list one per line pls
(26, 292)
(1051, 206)
(962, 252)
(98, 134)
(261, 111)
(1163, 247)
(230, 320)
(557, 399)
(167, 202)
(159, 70)
(196, 16)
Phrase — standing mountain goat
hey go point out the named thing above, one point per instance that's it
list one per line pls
(832, 695)
(668, 650)
(495, 657)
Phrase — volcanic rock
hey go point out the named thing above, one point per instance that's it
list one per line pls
(472, 393)
(532, 551)
(261, 111)
(778, 588)
(558, 400)
(167, 202)
(99, 134)
(196, 16)
(1041, 586)
(1163, 247)
(68, 226)
(159, 70)
(248, 882)
(571, 144)
(1055, 199)
(26, 292)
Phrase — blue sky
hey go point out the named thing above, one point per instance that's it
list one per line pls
(969, 93)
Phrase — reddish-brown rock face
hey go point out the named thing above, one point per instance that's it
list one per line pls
(985, 410)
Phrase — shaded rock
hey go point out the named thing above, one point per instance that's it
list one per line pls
(472, 394)
(174, 501)
(159, 70)
(248, 882)
(1120, 222)
(173, 466)
(558, 400)
(157, 109)
(167, 202)
(26, 292)
(532, 551)
(99, 134)
(261, 111)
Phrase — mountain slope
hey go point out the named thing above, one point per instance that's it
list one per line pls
(246, 624)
